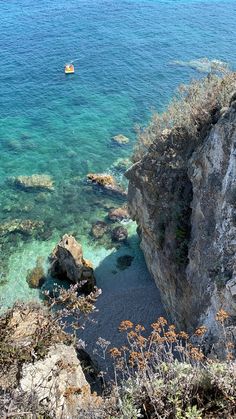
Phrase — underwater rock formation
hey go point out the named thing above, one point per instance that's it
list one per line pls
(182, 195)
(120, 139)
(67, 263)
(119, 234)
(36, 277)
(118, 214)
(107, 183)
(20, 226)
(99, 229)
(34, 182)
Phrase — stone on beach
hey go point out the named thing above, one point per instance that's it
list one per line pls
(67, 263)
(34, 182)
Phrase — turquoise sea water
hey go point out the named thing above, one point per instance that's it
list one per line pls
(125, 59)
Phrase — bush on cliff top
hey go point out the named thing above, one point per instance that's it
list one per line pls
(195, 107)
(164, 375)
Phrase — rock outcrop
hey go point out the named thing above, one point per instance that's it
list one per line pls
(183, 196)
(59, 375)
(99, 229)
(118, 214)
(119, 234)
(106, 183)
(67, 263)
(39, 365)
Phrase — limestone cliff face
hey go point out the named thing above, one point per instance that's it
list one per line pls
(183, 196)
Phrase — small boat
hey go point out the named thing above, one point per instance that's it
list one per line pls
(69, 69)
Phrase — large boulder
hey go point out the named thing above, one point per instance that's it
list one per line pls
(118, 214)
(41, 374)
(34, 182)
(99, 229)
(119, 234)
(67, 262)
(59, 382)
(107, 183)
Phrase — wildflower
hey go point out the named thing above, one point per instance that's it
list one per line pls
(172, 327)
(132, 335)
(222, 315)
(196, 354)
(230, 345)
(156, 326)
(141, 341)
(115, 352)
(139, 328)
(170, 336)
(136, 358)
(229, 356)
(162, 321)
(157, 338)
(183, 335)
(125, 325)
(200, 331)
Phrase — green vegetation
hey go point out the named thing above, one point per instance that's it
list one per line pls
(194, 109)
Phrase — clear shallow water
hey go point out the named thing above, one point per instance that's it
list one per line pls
(62, 125)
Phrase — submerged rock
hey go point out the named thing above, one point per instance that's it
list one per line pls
(119, 234)
(34, 182)
(107, 183)
(121, 165)
(99, 229)
(20, 226)
(67, 263)
(120, 139)
(118, 214)
(36, 277)
(123, 262)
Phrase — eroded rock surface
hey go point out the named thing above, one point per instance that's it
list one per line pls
(67, 262)
(183, 196)
(107, 183)
(99, 229)
(119, 234)
(39, 364)
(59, 382)
(118, 214)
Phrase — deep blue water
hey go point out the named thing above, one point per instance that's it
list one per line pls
(124, 54)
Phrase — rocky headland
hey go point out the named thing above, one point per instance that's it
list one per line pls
(182, 196)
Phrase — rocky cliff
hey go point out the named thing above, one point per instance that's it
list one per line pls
(182, 194)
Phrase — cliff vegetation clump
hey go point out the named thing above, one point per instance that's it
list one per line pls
(194, 108)
(161, 374)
